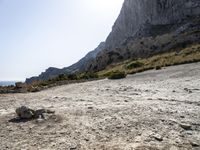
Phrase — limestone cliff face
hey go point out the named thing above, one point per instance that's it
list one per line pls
(137, 13)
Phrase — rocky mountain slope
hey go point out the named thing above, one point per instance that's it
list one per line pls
(79, 66)
(143, 28)
(148, 27)
(138, 14)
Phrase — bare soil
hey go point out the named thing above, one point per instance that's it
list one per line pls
(153, 110)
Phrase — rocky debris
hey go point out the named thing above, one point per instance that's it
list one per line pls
(40, 113)
(24, 112)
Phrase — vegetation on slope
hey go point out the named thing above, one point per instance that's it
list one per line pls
(189, 54)
(117, 75)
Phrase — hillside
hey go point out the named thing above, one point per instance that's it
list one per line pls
(181, 35)
(143, 29)
(77, 67)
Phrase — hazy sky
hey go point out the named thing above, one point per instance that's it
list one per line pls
(37, 34)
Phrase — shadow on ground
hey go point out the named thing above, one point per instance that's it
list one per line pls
(19, 120)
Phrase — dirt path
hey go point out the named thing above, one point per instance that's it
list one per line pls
(147, 111)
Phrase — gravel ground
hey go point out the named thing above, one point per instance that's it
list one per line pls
(153, 110)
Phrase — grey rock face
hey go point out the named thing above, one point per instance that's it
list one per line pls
(177, 36)
(137, 13)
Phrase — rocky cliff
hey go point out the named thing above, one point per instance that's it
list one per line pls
(148, 27)
(135, 14)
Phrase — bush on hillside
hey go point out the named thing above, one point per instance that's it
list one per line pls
(89, 75)
(18, 84)
(117, 75)
(72, 77)
(133, 65)
(61, 77)
(158, 67)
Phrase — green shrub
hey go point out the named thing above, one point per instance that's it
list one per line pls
(33, 89)
(133, 65)
(72, 77)
(89, 75)
(158, 67)
(62, 77)
(45, 83)
(117, 75)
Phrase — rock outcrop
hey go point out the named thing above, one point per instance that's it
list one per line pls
(148, 27)
(137, 14)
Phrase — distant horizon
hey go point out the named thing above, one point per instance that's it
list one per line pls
(36, 35)
(7, 83)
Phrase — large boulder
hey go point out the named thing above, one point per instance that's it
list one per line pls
(24, 112)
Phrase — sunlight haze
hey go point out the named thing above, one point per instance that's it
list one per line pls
(38, 34)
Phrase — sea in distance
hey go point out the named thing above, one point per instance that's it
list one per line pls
(7, 83)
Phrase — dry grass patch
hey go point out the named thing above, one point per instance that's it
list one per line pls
(190, 54)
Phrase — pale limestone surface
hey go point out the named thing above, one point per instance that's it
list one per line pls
(152, 110)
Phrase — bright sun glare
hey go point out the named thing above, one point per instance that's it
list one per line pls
(103, 4)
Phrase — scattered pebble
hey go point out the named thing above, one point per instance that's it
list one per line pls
(194, 144)
(186, 126)
(158, 137)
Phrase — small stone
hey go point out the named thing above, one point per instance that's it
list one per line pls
(194, 144)
(74, 146)
(189, 132)
(158, 137)
(90, 107)
(186, 126)
(188, 90)
(118, 126)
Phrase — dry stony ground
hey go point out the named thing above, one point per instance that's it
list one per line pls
(154, 110)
